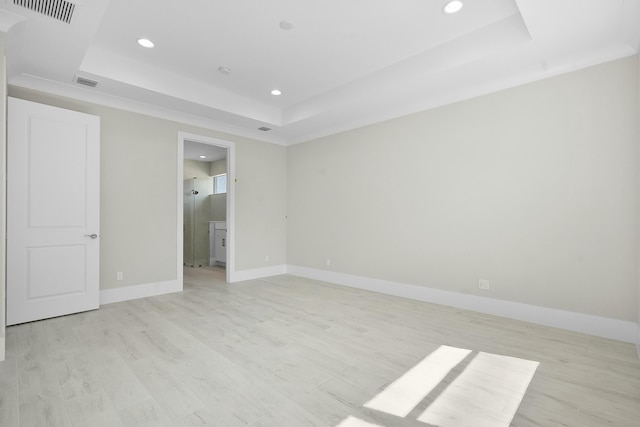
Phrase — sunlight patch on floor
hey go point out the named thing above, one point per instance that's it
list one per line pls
(487, 393)
(405, 393)
(355, 422)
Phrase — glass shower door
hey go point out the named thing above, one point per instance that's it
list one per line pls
(197, 213)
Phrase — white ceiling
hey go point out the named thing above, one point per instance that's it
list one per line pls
(193, 151)
(345, 63)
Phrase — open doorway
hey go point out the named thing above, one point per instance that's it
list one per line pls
(205, 205)
(205, 211)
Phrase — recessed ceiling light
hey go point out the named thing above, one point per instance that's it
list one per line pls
(146, 43)
(203, 157)
(452, 7)
(286, 25)
(224, 70)
(276, 92)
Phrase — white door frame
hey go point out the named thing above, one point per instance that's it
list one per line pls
(231, 210)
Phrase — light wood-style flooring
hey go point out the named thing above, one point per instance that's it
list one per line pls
(290, 352)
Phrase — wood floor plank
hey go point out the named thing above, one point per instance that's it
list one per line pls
(175, 398)
(51, 412)
(92, 409)
(9, 403)
(213, 417)
(290, 352)
(147, 413)
(120, 384)
(76, 376)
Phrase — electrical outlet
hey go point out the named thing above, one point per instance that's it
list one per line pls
(119, 275)
(484, 284)
(266, 258)
(328, 262)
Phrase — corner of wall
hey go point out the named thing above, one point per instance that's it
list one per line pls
(638, 205)
(126, 293)
(3, 198)
(257, 273)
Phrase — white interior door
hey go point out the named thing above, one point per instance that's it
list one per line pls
(53, 196)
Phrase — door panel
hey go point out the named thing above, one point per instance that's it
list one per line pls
(53, 197)
(49, 184)
(52, 273)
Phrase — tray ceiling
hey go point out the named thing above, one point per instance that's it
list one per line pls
(339, 64)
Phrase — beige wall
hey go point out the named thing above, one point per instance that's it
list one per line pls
(3, 198)
(533, 188)
(196, 169)
(218, 167)
(262, 180)
(218, 201)
(139, 202)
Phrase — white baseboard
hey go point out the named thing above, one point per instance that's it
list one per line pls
(257, 273)
(108, 296)
(578, 322)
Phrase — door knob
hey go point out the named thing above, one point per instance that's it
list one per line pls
(93, 236)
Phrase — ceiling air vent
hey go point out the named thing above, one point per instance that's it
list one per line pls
(61, 10)
(86, 82)
(264, 129)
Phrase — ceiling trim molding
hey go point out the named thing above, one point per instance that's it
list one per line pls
(77, 93)
(401, 109)
(8, 20)
(465, 93)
